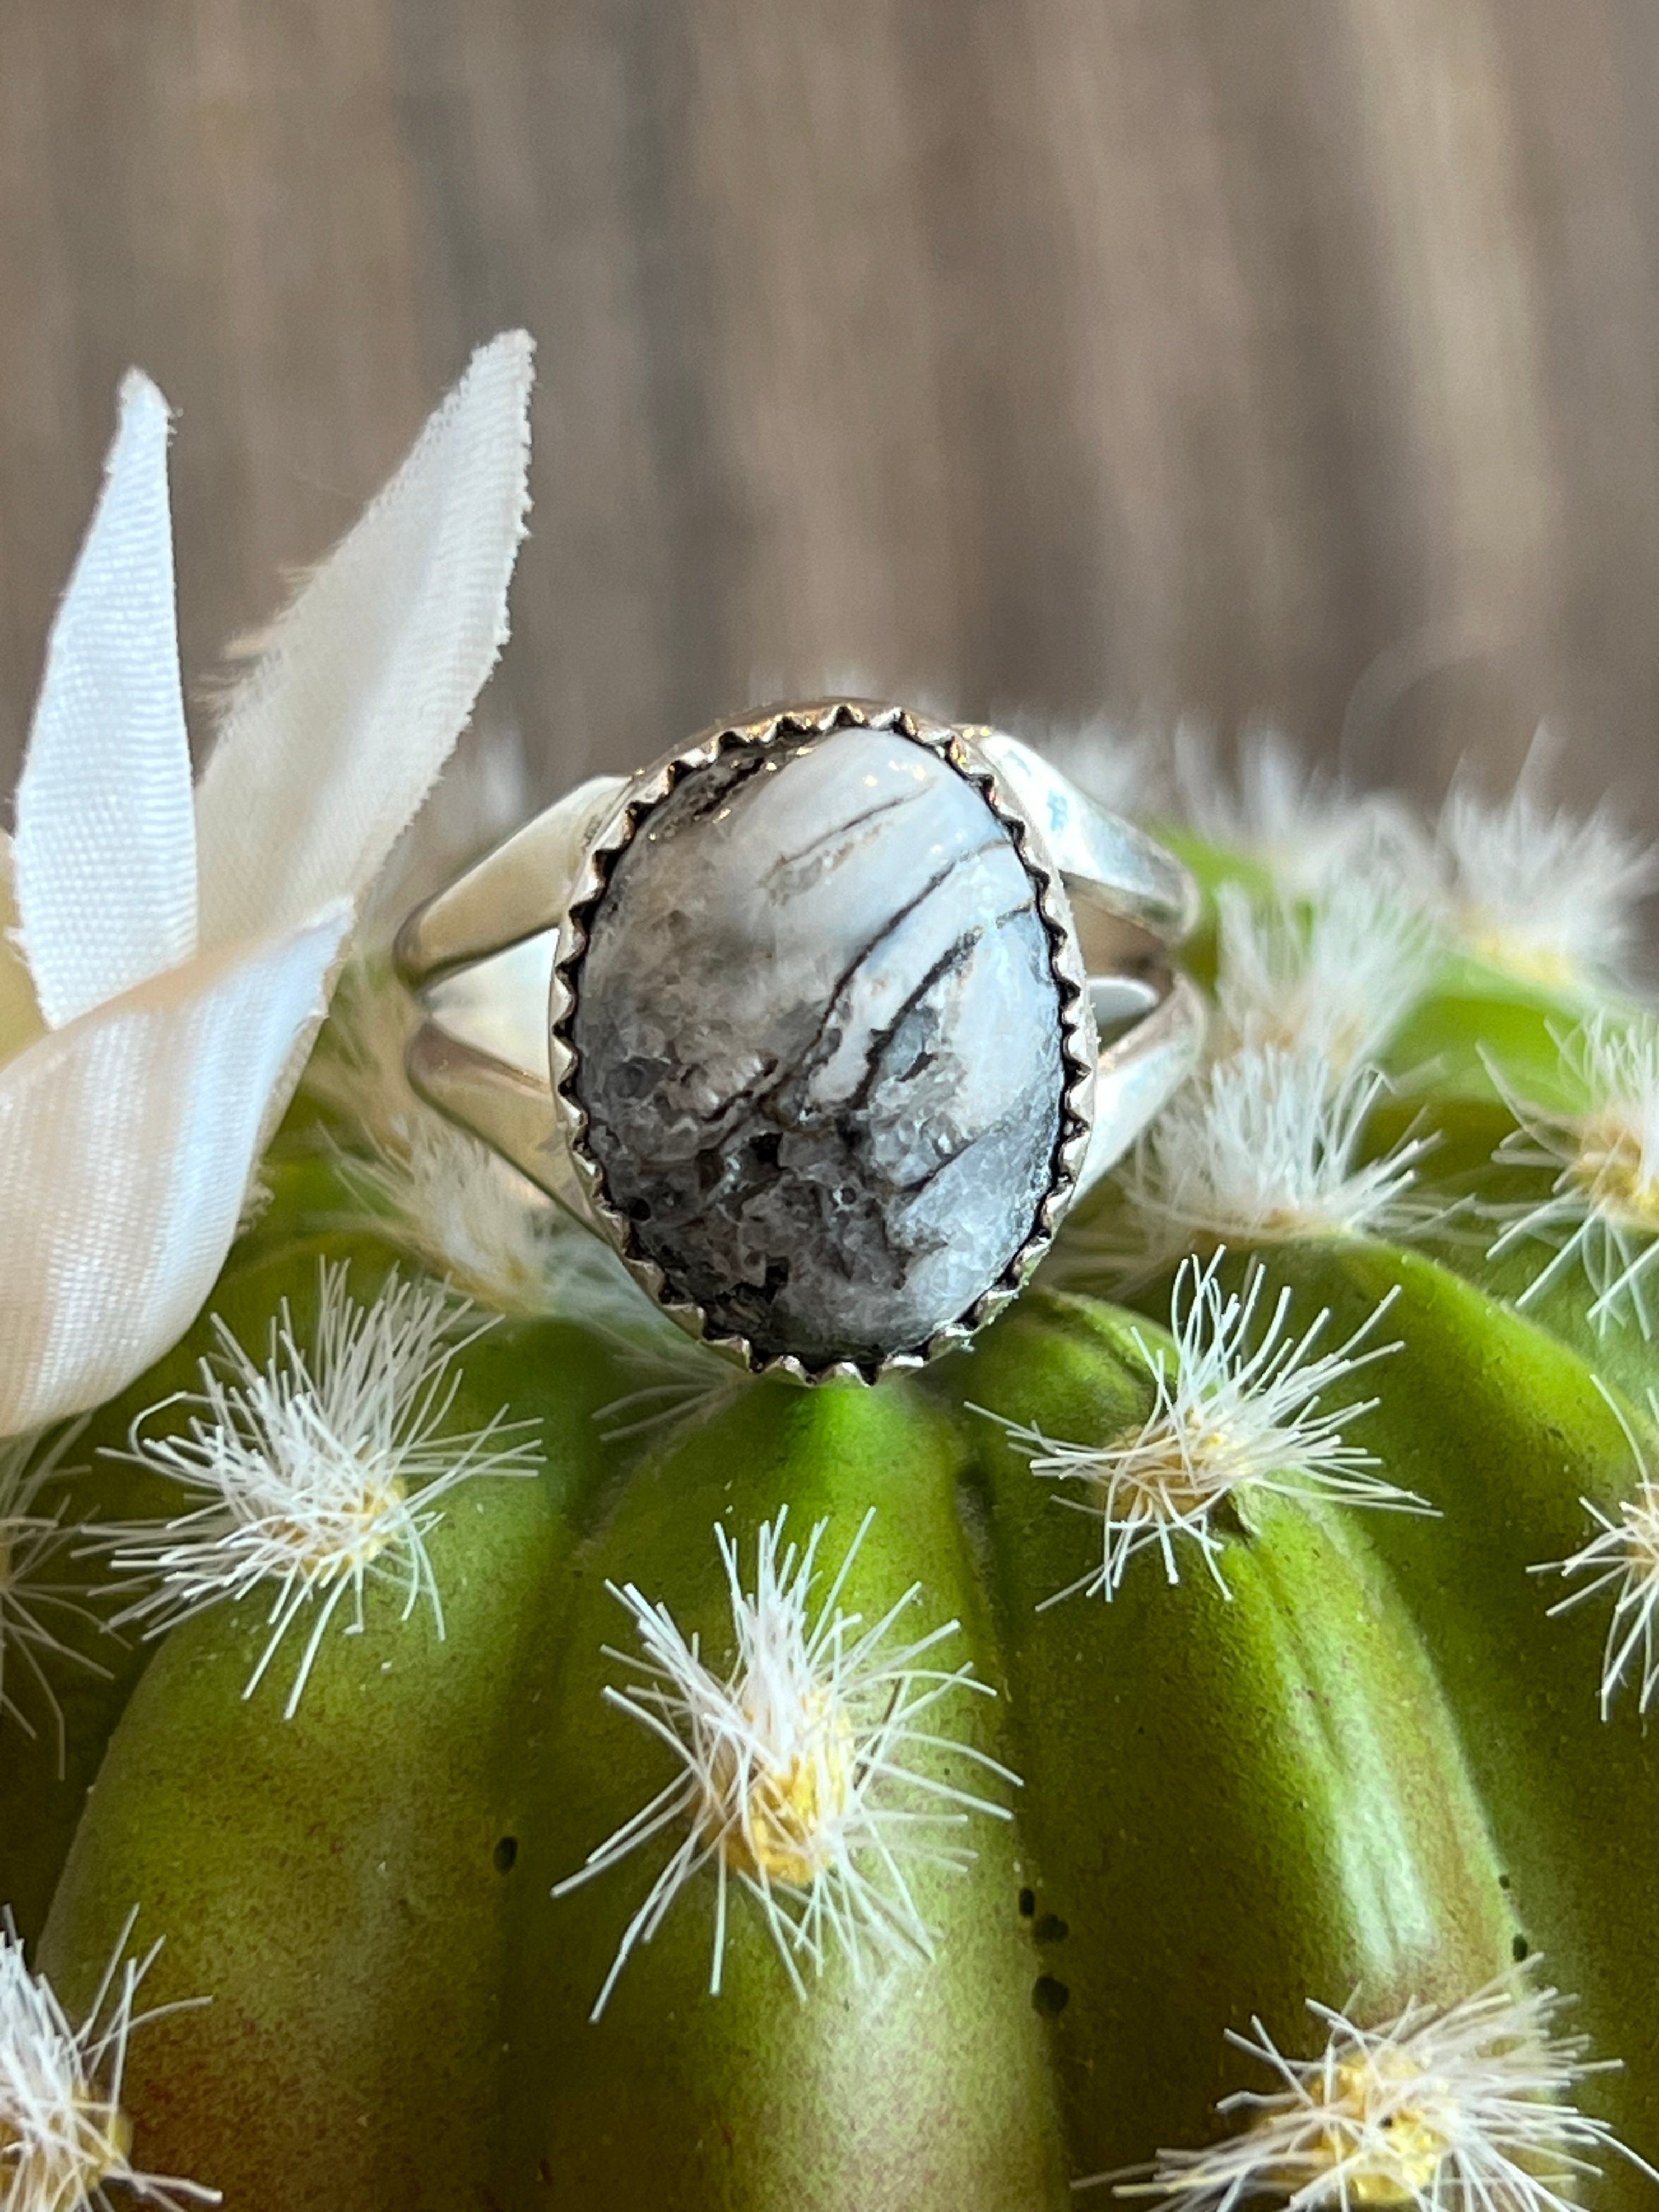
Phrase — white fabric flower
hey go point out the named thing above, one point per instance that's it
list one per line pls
(166, 953)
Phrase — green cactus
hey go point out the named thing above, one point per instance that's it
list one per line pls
(1183, 1744)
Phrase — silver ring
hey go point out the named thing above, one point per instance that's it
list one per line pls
(823, 1022)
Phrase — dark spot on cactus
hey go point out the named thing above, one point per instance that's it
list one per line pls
(1519, 1948)
(1504, 1881)
(1027, 1903)
(506, 1851)
(544, 2172)
(1049, 1997)
(1051, 1929)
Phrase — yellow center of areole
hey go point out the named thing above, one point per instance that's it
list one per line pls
(1544, 964)
(1387, 2158)
(784, 1805)
(1174, 1493)
(1167, 1485)
(64, 2174)
(1641, 1539)
(1612, 1171)
(353, 1533)
(1190, 1485)
(1287, 1029)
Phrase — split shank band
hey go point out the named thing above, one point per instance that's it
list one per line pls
(823, 1022)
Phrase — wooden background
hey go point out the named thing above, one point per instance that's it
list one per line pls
(1292, 358)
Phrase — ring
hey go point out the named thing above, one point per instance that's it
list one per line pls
(823, 1021)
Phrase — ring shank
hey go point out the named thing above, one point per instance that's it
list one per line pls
(517, 891)
(1110, 868)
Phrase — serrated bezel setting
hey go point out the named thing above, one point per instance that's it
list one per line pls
(782, 727)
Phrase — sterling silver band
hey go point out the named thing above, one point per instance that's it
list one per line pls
(499, 961)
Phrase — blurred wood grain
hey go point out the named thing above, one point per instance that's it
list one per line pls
(1279, 358)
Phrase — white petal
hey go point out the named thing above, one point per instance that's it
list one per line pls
(20, 1016)
(348, 717)
(105, 856)
(126, 1142)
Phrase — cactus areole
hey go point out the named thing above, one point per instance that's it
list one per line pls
(1188, 1747)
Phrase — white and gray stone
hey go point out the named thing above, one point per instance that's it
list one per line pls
(818, 1044)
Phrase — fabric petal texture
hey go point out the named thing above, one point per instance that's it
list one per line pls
(341, 729)
(105, 842)
(126, 1143)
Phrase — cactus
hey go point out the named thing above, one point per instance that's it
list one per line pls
(466, 1747)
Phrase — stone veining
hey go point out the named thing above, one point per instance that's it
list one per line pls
(818, 1044)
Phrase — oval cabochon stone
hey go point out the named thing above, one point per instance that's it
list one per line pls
(818, 1044)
